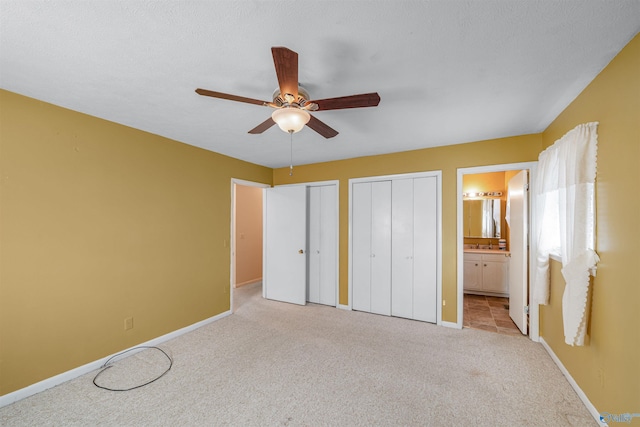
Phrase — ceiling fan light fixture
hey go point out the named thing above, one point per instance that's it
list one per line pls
(290, 119)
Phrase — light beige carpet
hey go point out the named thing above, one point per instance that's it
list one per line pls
(276, 364)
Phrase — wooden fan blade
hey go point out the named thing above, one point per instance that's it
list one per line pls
(221, 95)
(321, 128)
(286, 63)
(352, 101)
(262, 126)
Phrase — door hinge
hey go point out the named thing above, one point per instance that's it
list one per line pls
(526, 309)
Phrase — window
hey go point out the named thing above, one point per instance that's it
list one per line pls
(565, 222)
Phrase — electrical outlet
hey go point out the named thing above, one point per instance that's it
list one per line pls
(128, 323)
(444, 302)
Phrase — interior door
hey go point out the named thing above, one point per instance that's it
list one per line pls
(285, 240)
(518, 200)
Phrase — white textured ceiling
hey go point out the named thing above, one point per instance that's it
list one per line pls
(447, 71)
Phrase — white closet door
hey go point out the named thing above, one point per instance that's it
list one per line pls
(381, 247)
(328, 245)
(285, 238)
(322, 245)
(425, 232)
(361, 246)
(315, 221)
(402, 248)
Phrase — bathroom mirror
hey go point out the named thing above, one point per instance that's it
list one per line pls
(481, 218)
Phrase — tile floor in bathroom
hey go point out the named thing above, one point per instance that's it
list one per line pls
(489, 314)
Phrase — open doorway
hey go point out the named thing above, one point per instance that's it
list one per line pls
(493, 254)
(246, 236)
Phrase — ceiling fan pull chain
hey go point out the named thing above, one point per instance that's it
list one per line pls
(291, 163)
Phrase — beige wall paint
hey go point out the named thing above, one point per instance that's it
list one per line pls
(99, 222)
(447, 159)
(248, 234)
(608, 368)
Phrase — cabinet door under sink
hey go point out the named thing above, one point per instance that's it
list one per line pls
(472, 272)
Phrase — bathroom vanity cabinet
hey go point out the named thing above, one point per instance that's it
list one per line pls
(486, 273)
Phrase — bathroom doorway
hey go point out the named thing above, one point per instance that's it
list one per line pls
(505, 268)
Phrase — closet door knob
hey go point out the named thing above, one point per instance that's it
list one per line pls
(300, 251)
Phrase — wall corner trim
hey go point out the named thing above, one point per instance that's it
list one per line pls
(48, 383)
(592, 409)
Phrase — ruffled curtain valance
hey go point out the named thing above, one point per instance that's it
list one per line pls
(565, 223)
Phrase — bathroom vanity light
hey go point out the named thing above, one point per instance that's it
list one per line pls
(482, 194)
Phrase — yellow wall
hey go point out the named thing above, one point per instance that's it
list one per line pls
(484, 182)
(447, 159)
(608, 369)
(100, 222)
(248, 234)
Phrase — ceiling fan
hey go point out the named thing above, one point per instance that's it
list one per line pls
(292, 102)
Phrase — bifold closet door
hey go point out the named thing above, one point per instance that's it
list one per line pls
(402, 248)
(322, 280)
(371, 247)
(414, 275)
(425, 232)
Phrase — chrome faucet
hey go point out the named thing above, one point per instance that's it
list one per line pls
(490, 244)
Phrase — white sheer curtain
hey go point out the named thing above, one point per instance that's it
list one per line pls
(565, 217)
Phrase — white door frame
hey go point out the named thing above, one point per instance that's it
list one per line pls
(534, 331)
(232, 240)
(438, 175)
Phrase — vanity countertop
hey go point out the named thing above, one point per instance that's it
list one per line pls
(487, 251)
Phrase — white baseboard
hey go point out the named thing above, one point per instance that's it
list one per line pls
(343, 307)
(450, 325)
(592, 409)
(248, 282)
(43, 385)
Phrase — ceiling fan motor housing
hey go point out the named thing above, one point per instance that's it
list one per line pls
(280, 100)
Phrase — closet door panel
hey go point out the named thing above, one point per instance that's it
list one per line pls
(361, 246)
(402, 248)
(425, 249)
(315, 221)
(381, 247)
(328, 245)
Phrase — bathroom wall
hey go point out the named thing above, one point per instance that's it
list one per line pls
(487, 182)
